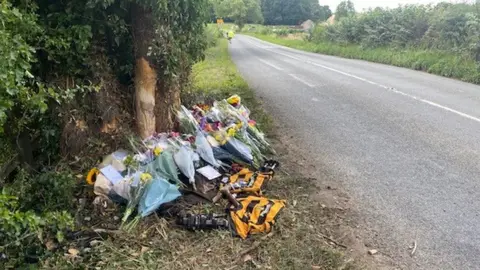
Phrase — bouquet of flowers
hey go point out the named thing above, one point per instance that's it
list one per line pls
(163, 166)
(188, 123)
(204, 149)
(158, 192)
(138, 186)
(184, 158)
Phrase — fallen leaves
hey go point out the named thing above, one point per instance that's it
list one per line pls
(50, 245)
(73, 252)
(144, 249)
(247, 258)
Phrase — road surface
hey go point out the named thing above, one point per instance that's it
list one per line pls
(404, 144)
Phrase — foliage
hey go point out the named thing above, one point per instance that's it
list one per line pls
(24, 233)
(180, 27)
(48, 191)
(240, 11)
(293, 12)
(16, 58)
(345, 9)
(48, 51)
(212, 34)
(451, 27)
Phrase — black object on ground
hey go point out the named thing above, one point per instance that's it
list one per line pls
(203, 222)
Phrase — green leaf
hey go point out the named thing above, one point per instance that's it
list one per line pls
(60, 236)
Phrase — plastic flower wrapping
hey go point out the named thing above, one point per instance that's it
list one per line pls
(218, 135)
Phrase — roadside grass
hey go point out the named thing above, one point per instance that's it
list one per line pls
(435, 62)
(298, 238)
(217, 78)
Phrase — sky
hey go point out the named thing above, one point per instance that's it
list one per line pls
(365, 4)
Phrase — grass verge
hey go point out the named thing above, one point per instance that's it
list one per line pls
(297, 241)
(435, 62)
(217, 78)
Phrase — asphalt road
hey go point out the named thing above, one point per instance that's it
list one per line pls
(404, 144)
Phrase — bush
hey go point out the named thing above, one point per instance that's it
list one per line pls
(23, 234)
(451, 27)
(49, 191)
(282, 32)
(319, 33)
(266, 31)
(212, 34)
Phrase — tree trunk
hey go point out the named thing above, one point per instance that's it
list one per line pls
(168, 97)
(143, 29)
(168, 102)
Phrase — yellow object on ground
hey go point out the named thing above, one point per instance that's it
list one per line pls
(257, 215)
(249, 181)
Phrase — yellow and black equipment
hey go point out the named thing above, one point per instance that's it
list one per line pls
(255, 215)
(248, 181)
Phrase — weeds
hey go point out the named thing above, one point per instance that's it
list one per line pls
(49, 191)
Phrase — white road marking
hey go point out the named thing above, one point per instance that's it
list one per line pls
(301, 80)
(270, 64)
(391, 89)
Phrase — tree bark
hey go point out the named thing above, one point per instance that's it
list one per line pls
(167, 104)
(143, 30)
(168, 97)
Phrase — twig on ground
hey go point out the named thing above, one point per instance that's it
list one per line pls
(106, 231)
(253, 247)
(333, 241)
(284, 171)
(414, 248)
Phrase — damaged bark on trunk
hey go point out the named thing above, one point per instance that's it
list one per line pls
(143, 29)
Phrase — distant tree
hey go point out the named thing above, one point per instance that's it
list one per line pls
(321, 13)
(292, 12)
(345, 9)
(211, 12)
(240, 11)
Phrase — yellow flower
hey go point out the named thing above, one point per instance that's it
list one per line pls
(92, 176)
(231, 132)
(220, 138)
(157, 151)
(145, 177)
(234, 100)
